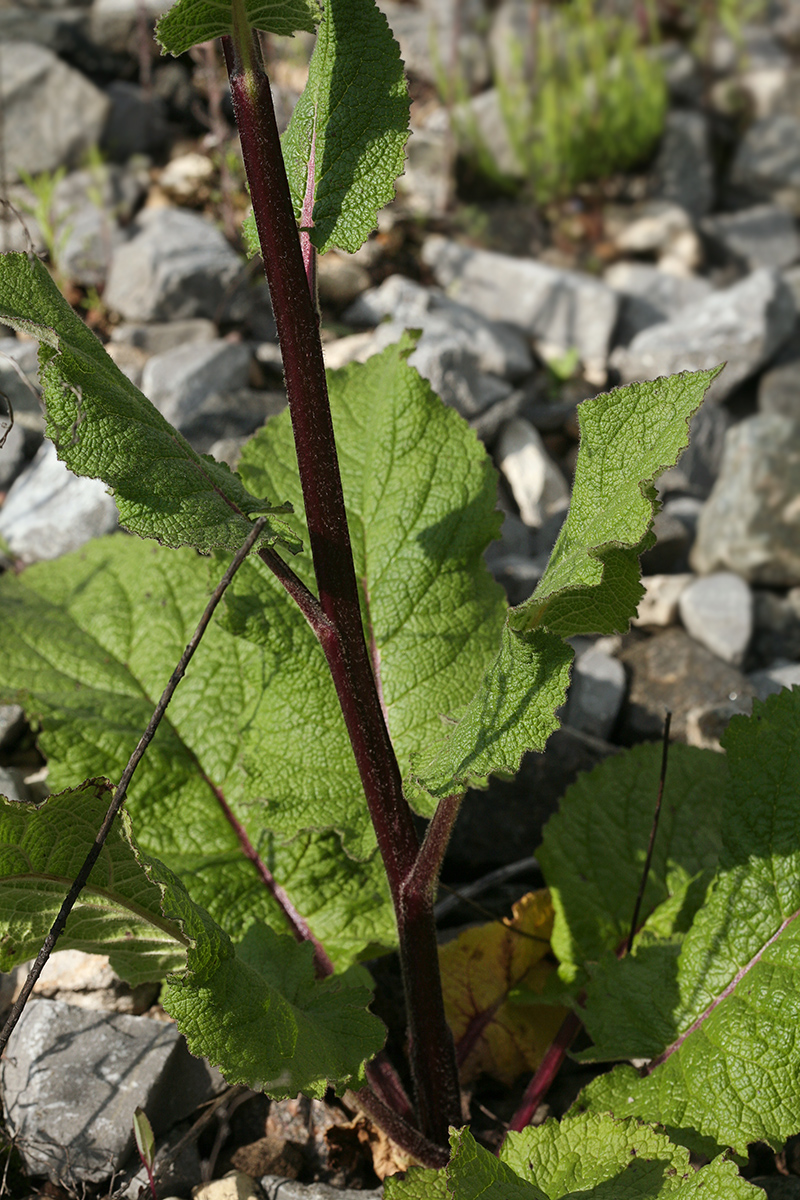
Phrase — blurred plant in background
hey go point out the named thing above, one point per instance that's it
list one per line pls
(582, 98)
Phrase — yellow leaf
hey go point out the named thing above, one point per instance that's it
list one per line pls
(479, 969)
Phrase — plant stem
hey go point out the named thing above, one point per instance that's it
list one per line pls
(653, 831)
(546, 1072)
(342, 636)
(121, 790)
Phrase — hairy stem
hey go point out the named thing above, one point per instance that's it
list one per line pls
(341, 635)
(121, 790)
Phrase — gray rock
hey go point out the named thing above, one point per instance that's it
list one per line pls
(277, 1188)
(177, 381)
(511, 28)
(12, 722)
(684, 170)
(87, 981)
(742, 325)
(671, 549)
(225, 415)
(499, 349)
(426, 185)
(650, 296)
(659, 604)
(137, 121)
(13, 785)
(52, 114)
(560, 309)
(763, 236)
(481, 121)
(671, 671)
(114, 24)
(24, 396)
(86, 212)
(682, 73)
(12, 453)
(782, 674)
(751, 521)
(779, 386)
(177, 265)
(162, 336)
(767, 163)
(656, 227)
(49, 511)
(698, 466)
(72, 1078)
(717, 611)
(538, 487)
(494, 824)
(596, 693)
(58, 28)
(427, 31)
(777, 626)
(706, 724)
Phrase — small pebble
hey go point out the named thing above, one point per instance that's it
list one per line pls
(717, 611)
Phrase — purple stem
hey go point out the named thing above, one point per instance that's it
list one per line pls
(299, 926)
(341, 636)
(546, 1072)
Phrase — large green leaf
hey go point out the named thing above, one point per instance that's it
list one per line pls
(257, 1012)
(190, 22)
(719, 1013)
(420, 494)
(88, 642)
(345, 142)
(118, 913)
(254, 1008)
(104, 428)
(594, 849)
(578, 1157)
(591, 584)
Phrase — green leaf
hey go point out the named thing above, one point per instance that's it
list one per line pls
(418, 1183)
(591, 584)
(628, 437)
(145, 1138)
(594, 848)
(474, 1172)
(190, 22)
(255, 1008)
(614, 1160)
(104, 428)
(88, 643)
(420, 494)
(345, 142)
(573, 1159)
(118, 913)
(727, 1004)
(257, 1012)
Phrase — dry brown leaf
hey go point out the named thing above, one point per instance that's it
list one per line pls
(479, 969)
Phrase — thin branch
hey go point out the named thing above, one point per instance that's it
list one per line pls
(428, 864)
(653, 831)
(388, 1087)
(428, 1153)
(122, 788)
(467, 893)
(300, 928)
(546, 1072)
